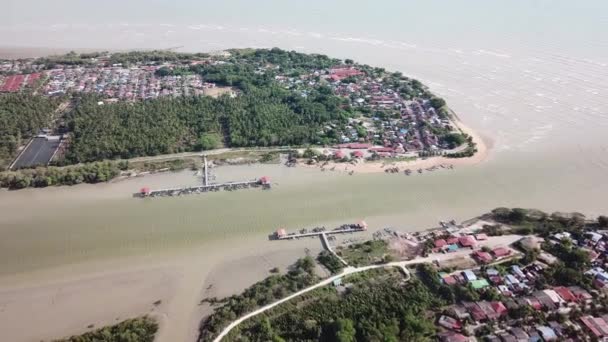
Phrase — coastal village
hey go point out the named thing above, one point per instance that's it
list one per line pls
(393, 120)
(404, 126)
(114, 81)
(503, 275)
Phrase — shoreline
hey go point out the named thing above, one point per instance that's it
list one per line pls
(167, 286)
(73, 299)
(483, 151)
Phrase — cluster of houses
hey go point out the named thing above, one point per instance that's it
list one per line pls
(119, 82)
(409, 123)
(406, 125)
(394, 125)
(518, 288)
(595, 244)
(114, 81)
(9, 67)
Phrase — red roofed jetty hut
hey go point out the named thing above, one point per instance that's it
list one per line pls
(281, 233)
(265, 182)
(144, 192)
(362, 225)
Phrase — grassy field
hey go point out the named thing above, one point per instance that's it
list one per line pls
(367, 253)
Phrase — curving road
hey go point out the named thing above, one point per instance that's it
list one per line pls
(345, 272)
(492, 242)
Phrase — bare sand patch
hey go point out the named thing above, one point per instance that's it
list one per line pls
(65, 308)
(219, 91)
(71, 300)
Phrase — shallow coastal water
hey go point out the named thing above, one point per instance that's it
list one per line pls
(511, 70)
(530, 76)
(65, 225)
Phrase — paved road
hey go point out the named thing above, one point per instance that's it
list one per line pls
(209, 153)
(38, 152)
(491, 243)
(345, 272)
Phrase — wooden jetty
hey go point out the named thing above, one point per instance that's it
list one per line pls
(200, 189)
(262, 182)
(281, 234)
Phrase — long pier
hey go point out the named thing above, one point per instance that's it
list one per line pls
(200, 189)
(263, 182)
(331, 250)
(323, 233)
(349, 228)
(205, 172)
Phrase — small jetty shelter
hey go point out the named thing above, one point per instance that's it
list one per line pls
(281, 233)
(362, 225)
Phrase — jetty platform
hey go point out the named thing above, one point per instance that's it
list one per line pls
(262, 182)
(281, 234)
(200, 189)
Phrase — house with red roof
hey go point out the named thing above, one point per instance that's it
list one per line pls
(357, 154)
(488, 310)
(593, 326)
(467, 241)
(452, 240)
(534, 303)
(344, 72)
(582, 296)
(439, 243)
(565, 293)
(601, 325)
(499, 308)
(339, 154)
(476, 312)
(483, 257)
(382, 149)
(481, 237)
(501, 252)
(449, 323)
(355, 146)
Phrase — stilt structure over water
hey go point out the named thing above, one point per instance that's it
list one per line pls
(205, 172)
(262, 182)
(281, 234)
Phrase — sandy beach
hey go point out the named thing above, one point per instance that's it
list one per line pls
(483, 151)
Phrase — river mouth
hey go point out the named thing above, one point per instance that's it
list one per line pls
(50, 227)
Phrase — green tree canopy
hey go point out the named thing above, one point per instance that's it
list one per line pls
(345, 330)
(209, 141)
